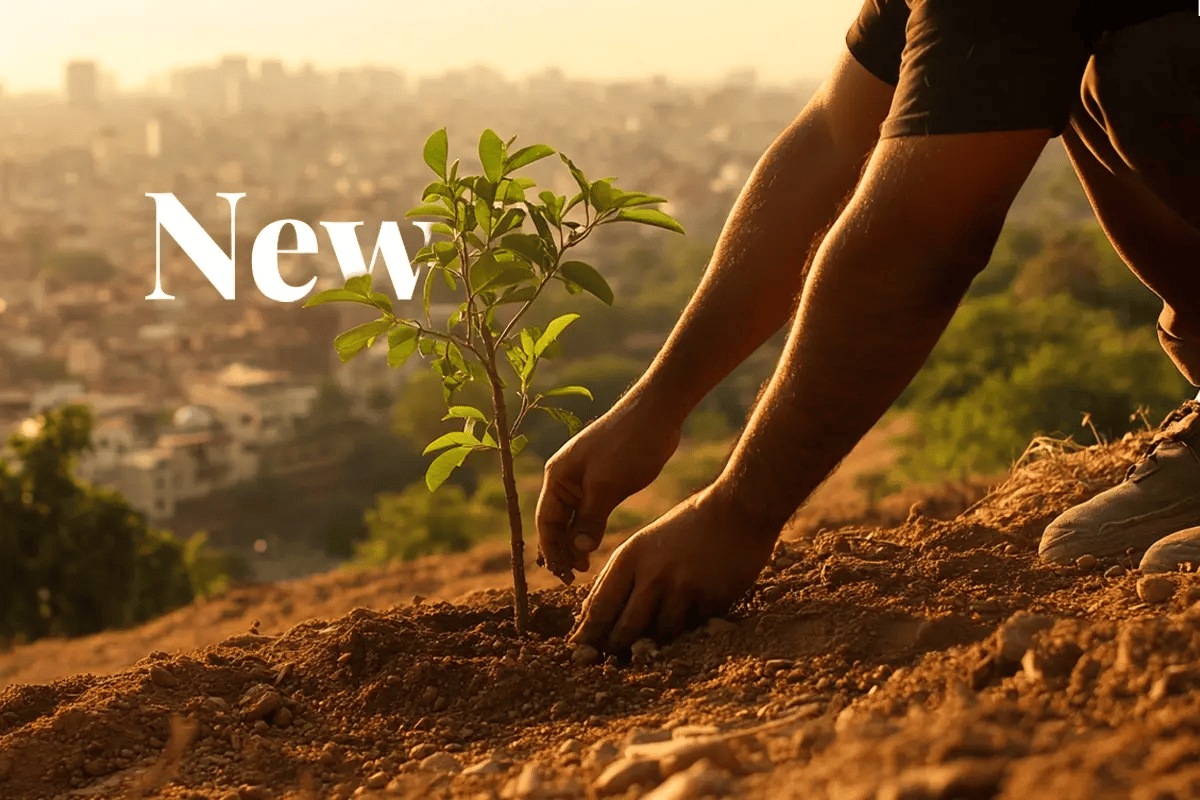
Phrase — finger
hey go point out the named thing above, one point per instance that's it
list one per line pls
(604, 604)
(555, 508)
(636, 619)
(673, 618)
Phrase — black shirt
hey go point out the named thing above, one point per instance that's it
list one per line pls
(969, 66)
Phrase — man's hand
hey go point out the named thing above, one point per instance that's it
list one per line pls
(691, 564)
(617, 455)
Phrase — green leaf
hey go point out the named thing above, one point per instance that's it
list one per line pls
(402, 343)
(527, 246)
(603, 194)
(483, 214)
(511, 220)
(443, 465)
(564, 391)
(517, 294)
(526, 156)
(449, 439)
(650, 216)
(586, 276)
(565, 417)
(349, 344)
(484, 270)
(381, 301)
(577, 174)
(430, 210)
(465, 412)
(517, 444)
(556, 327)
(636, 199)
(491, 155)
(336, 296)
(428, 298)
(436, 149)
(359, 284)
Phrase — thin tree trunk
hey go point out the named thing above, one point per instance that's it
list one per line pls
(520, 589)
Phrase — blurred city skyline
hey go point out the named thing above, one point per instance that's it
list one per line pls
(137, 43)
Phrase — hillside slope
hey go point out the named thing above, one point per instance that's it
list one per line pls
(865, 664)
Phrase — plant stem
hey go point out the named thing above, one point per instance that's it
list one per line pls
(503, 439)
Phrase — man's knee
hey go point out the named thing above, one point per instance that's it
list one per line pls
(1180, 337)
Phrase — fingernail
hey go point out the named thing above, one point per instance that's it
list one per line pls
(585, 543)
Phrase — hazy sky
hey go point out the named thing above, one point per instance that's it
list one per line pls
(784, 40)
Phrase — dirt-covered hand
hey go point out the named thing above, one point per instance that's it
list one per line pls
(614, 457)
(691, 564)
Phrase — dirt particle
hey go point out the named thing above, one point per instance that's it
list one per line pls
(422, 751)
(441, 762)
(1087, 561)
(163, 677)
(260, 701)
(1155, 589)
(621, 775)
(717, 626)
(377, 781)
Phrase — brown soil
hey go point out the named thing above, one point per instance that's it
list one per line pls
(866, 663)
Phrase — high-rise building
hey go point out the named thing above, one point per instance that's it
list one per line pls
(83, 83)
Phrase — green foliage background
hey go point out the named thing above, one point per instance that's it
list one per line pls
(77, 559)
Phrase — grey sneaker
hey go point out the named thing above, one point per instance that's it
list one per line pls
(1168, 553)
(1160, 496)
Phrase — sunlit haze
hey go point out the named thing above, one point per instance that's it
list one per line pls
(138, 41)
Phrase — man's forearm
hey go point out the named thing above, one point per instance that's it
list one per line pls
(757, 270)
(884, 285)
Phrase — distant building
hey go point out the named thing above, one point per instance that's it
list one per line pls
(83, 83)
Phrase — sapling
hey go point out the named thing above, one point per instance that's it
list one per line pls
(501, 269)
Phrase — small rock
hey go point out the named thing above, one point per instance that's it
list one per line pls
(643, 650)
(601, 754)
(422, 751)
(643, 736)
(585, 656)
(430, 694)
(1115, 571)
(835, 575)
(261, 727)
(441, 762)
(774, 665)
(344, 659)
(717, 625)
(783, 563)
(246, 792)
(260, 701)
(377, 781)
(1015, 636)
(619, 776)
(283, 717)
(702, 779)
(216, 705)
(679, 754)
(330, 754)
(1011, 549)
(1155, 589)
(163, 677)
(487, 766)
(1087, 561)
(571, 747)
(527, 784)
(1051, 660)
(690, 731)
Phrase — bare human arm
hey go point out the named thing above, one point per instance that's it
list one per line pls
(748, 292)
(883, 286)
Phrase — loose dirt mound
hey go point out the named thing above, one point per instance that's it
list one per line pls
(867, 663)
